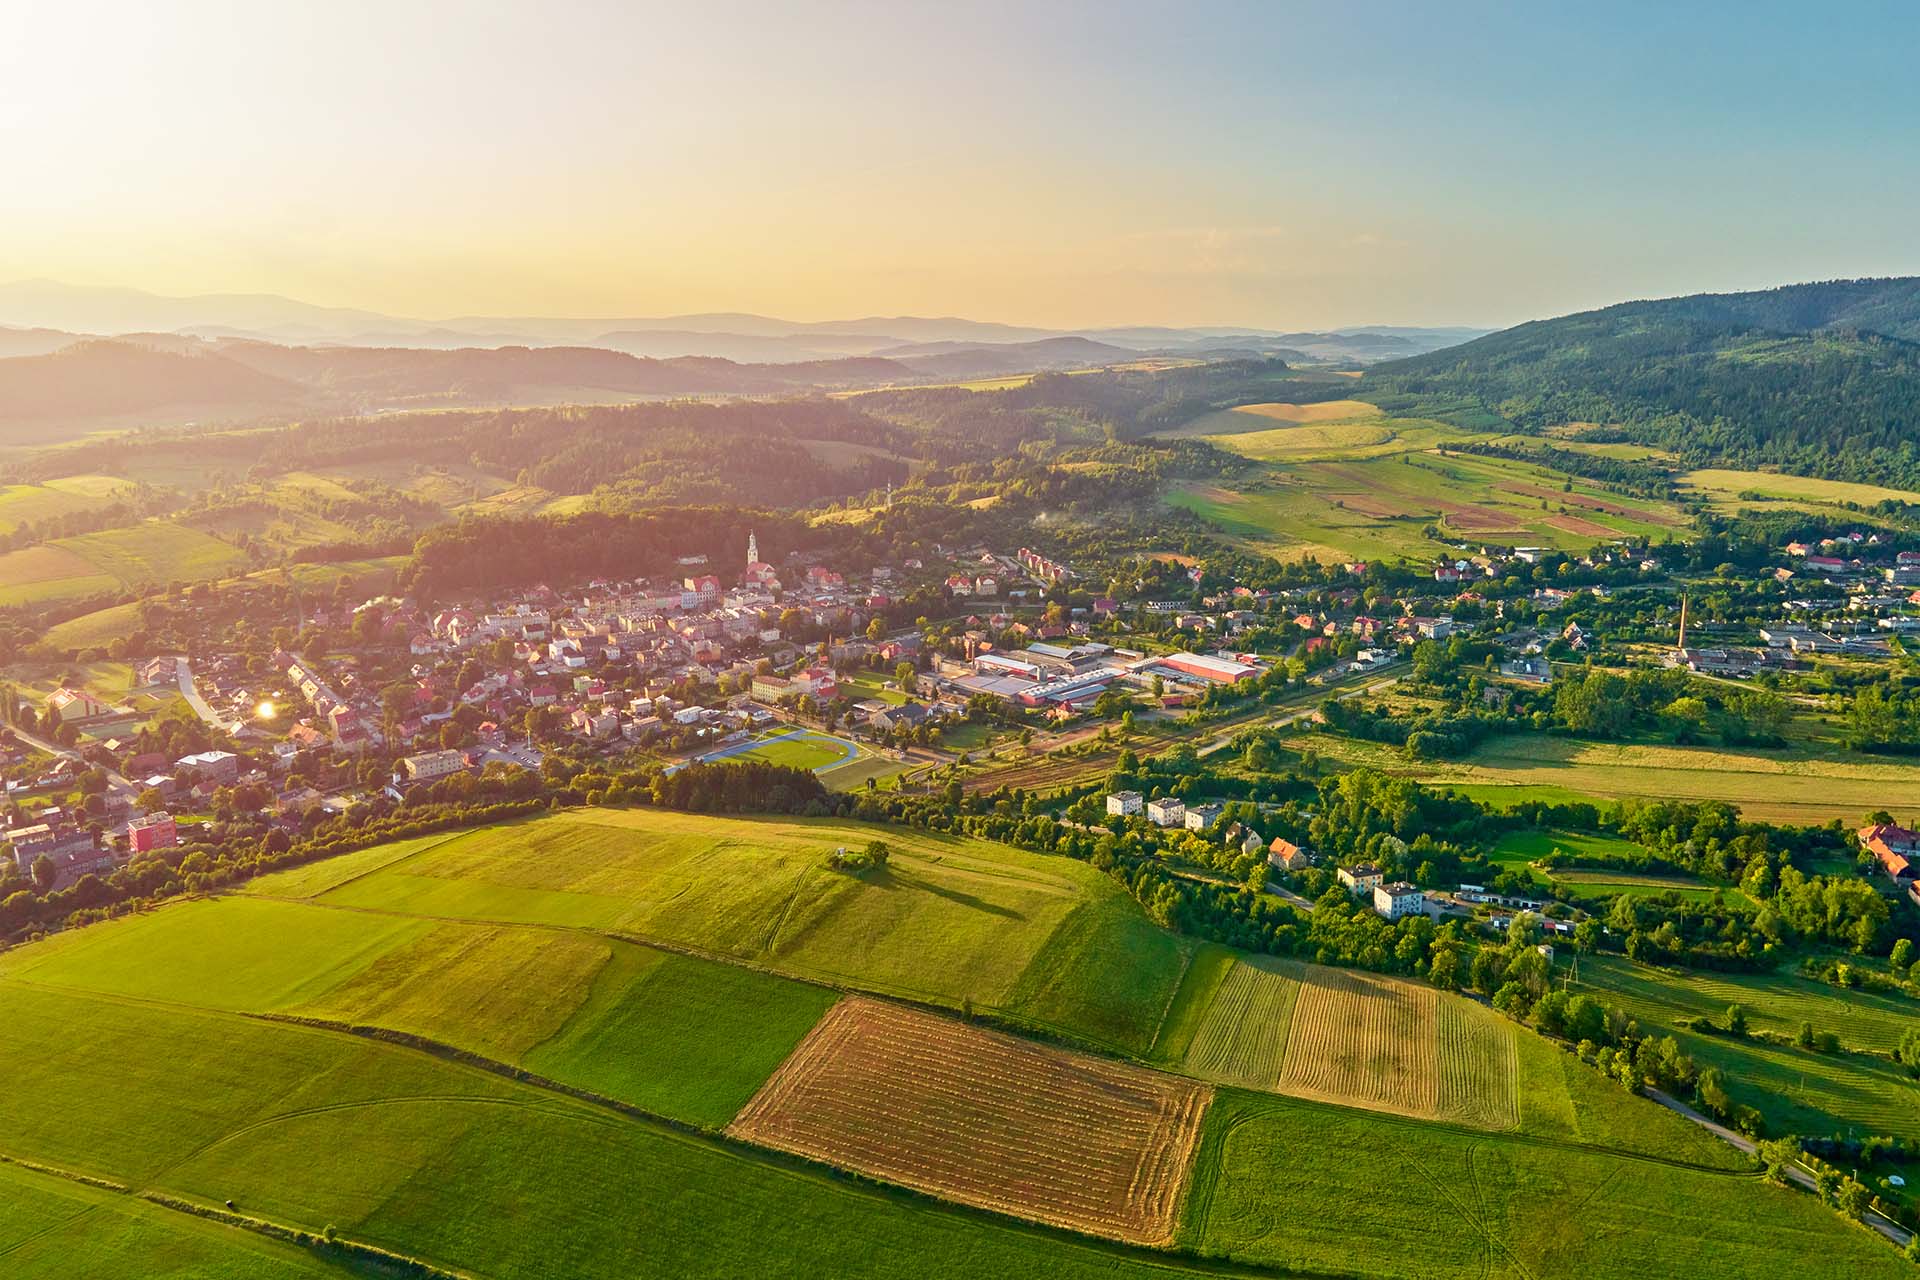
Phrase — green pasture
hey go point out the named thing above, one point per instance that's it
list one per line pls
(1417, 1201)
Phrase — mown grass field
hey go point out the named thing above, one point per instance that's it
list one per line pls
(1413, 1200)
(1371, 488)
(1799, 1090)
(1036, 939)
(1792, 785)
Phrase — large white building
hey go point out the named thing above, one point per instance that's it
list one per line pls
(1398, 899)
(1167, 812)
(1124, 804)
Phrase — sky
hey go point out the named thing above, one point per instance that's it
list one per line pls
(1067, 165)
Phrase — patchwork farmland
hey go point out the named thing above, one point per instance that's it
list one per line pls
(985, 1119)
(498, 1052)
(1344, 480)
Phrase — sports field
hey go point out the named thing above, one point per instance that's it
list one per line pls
(794, 748)
(986, 1119)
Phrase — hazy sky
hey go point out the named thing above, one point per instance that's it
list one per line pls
(1058, 164)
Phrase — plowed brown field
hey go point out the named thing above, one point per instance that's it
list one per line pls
(985, 1119)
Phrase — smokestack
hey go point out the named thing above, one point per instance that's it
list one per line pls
(1683, 621)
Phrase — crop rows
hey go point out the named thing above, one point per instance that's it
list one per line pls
(1479, 1077)
(1243, 1040)
(985, 1119)
(1365, 1041)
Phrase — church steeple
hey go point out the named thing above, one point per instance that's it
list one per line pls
(753, 550)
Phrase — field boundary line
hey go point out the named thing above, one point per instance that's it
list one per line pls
(356, 1250)
(776, 1160)
(446, 837)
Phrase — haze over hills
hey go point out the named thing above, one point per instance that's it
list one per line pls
(737, 336)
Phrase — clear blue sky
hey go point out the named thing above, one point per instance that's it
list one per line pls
(1068, 164)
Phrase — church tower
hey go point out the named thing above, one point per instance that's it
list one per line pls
(753, 550)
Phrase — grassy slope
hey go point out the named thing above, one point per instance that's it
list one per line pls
(1367, 486)
(1404, 1199)
(472, 1170)
(1799, 1090)
(419, 1155)
(52, 1228)
(1793, 785)
(949, 919)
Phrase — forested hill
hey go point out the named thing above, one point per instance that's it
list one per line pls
(1822, 379)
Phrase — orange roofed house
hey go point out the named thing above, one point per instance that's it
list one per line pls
(1895, 848)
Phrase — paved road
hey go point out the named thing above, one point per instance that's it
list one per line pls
(190, 690)
(1797, 1175)
(115, 781)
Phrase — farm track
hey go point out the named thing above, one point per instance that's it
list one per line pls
(989, 1120)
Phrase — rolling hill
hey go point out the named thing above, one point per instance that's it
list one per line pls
(1821, 379)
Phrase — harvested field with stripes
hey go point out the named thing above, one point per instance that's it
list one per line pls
(1479, 1074)
(985, 1119)
(1359, 1039)
(1366, 1041)
(1244, 1038)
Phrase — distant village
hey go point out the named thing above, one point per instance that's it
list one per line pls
(692, 667)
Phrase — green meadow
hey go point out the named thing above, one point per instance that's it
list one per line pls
(239, 1048)
(949, 920)
(1857, 1090)
(1413, 1200)
(1799, 784)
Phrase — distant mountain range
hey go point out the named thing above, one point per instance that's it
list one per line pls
(744, 338)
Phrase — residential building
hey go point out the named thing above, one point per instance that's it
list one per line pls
(1201, 816)
(1287, 855)
(218, 767)
(1167, 812)
(429, 765)
(1124, 804)
(1360, 879)
(1398, 899)
(155, 831)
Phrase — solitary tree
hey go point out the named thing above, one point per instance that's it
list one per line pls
(44, 873)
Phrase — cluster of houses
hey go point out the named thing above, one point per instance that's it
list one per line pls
(1172, 812)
